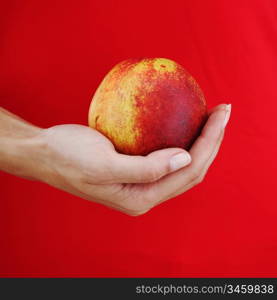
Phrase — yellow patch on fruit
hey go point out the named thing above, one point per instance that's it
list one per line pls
(105, 102)
(164, 65)
(142, 66)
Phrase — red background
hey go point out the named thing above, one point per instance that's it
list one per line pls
(53, 55)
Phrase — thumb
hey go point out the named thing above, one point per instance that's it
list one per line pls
(140, 169)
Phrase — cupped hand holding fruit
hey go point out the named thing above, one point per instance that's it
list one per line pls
(147, 143)
(93, 170)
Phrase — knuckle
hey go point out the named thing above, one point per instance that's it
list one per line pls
(137, 208)
(149, 199)
(143, 203)
(200, 178)
(136, 213)
(197, 177)
(194, 175)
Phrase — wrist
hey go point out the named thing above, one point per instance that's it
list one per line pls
(23, 149)
(20, 153)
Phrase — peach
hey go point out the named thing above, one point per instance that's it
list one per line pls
(143, 105)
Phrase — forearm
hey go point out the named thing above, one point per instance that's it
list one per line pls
(20, 149)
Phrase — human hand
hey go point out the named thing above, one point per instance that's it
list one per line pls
(83, 162)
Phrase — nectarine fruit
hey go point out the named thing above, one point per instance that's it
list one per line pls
(143, 105)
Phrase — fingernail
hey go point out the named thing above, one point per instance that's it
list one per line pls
(227, 114)
(179, 161)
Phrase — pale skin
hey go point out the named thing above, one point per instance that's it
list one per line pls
(81, 161)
